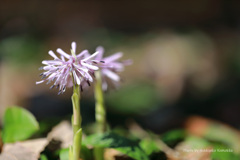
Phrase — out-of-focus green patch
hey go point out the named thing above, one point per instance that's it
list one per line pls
(85, 153)
(46, 125)
(220, 133)
(20, 49)
(43, 157)
(196, 142)
(222, 152)
(18, 124)
(64, 153)
(233, 61)
(135, 98)
(149, 146)
(92, 128)
(173, 137)
(120, 131)
(122, 144)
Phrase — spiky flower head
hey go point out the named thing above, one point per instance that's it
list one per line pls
(110, 66)
(69, 69)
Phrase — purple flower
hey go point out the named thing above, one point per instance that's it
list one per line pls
(110, 66)
(68, 69)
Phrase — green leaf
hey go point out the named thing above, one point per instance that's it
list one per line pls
(86, 153)
(64, 153)
(149, 146)
(174, 135)
(122, 144)
(43, 157)
(18, 124)
(172, 138)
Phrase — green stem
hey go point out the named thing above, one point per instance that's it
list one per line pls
(100, 113)
(74, 150)
(76, 119)
(76, 124)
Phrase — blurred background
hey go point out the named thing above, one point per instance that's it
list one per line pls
(186, 58)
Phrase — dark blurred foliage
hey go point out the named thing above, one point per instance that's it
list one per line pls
(186, 57)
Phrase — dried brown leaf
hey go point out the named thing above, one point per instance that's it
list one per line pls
(110, 154)
(36, 145)
(62, 132)
(18, 152)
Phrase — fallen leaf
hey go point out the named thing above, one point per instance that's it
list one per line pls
(62, 132)
(109, 154)
(18, 152)
(27, 150)
(36, 145)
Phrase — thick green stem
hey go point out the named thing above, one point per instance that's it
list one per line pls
(76, 125)
(100, 113)
(75, 149)
(76, 118)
